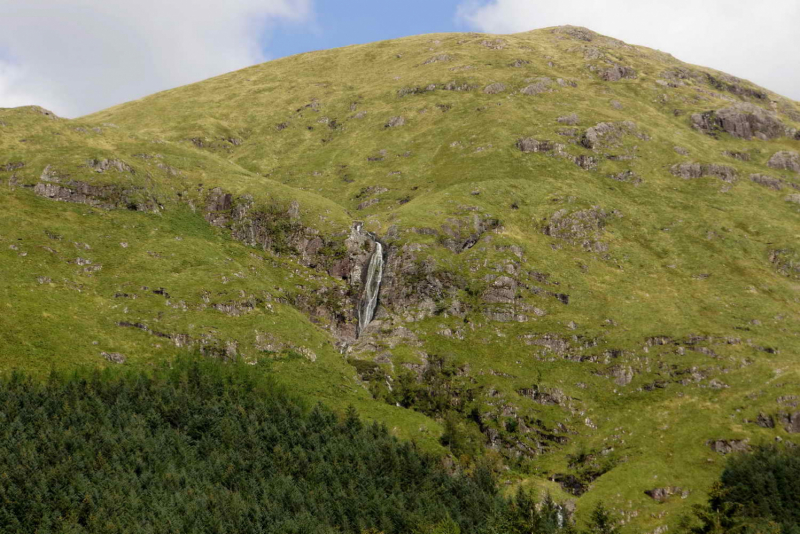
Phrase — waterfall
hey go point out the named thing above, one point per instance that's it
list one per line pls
(369, 300)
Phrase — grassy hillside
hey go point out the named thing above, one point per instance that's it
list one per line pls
(591, 249)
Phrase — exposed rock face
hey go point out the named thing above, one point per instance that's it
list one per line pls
(455, 86)
(786, 262)
(790, 422)
(690, 171)
(785, 160)
(368, 203)
(731, 84)
(542, 85)
(395, 122)
(727, 446)
(47, 113)
(741, 156)
(663, 494)
(545, 396)
(577, 32)
(206, 344)
(572, 119)
(622, 374)
(584, 228)
(502, 291)
(494, 88)
(767, 181)
(530, 145)
(495, 44)
(462, 234)
(412, 285)
(551, 342)
(609, 134)
(742, 120)
(56, 186)
(765, 421)
(110, 164)
(113, 357)
(617, 73)
(281, 231)
(437, 59)
(628, 177)
(10, 167)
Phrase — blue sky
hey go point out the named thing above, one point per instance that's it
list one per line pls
(79, 56)
(342, 23)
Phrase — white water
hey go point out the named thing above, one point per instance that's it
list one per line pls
(366, 308)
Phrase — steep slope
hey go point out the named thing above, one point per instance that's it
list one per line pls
(590, 248)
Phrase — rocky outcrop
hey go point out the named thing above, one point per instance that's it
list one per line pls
(571, 119)
(617, 73)
(394, 122)
(494, 44)
(502, 301)
(459, 235)
(414, 286)
(689, 171)
(206, 344)
(545, 396)
(786, 262)
(741, 156)
(578, 33)
(440, 58)
(59, 186)
(113, 357)
(785, 160)
(741, 120)
(622, 374)
(280, 230)
(608, 134)
(767, 181)
(456, 86)
(13, 166)
(765, 421)
(502, 291)
(728, 446)
(530, 145)
(731, 84)
(663, 494)
(542, 85)
(103, 165)
(494, 89)
(627, 177)
(790, 422)
(583, 228)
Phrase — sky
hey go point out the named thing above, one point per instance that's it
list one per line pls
(75, 57)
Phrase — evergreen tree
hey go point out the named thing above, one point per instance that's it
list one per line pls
(602, 522)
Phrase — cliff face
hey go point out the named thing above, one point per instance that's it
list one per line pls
(589, 248)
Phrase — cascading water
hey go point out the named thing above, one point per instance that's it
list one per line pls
(372, 286)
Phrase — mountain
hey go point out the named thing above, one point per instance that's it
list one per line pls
(588, 262)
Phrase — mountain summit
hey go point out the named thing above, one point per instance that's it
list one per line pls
(574, 256)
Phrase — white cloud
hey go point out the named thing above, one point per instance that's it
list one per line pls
(79, 56)
(753, 40)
